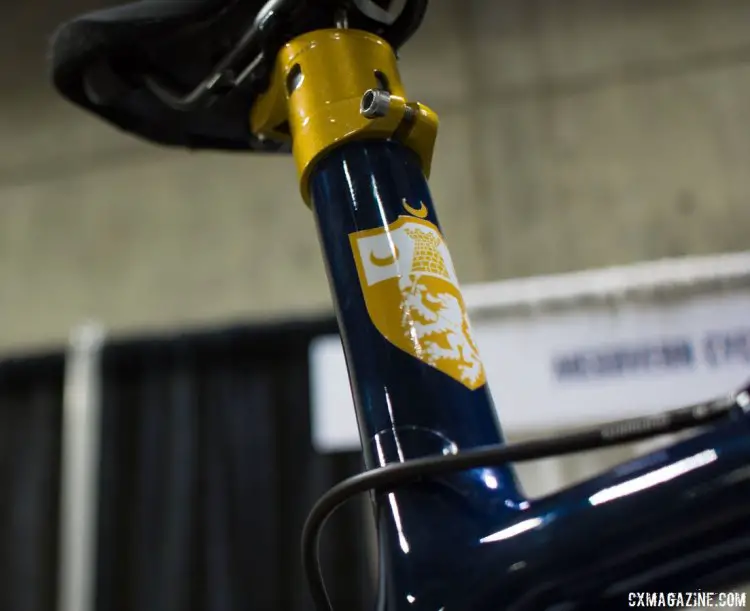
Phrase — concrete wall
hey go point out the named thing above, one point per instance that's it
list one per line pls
(574, 134)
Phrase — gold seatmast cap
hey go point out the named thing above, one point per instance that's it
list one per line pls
(333, 86)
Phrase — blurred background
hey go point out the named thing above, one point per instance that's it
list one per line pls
(574, 135)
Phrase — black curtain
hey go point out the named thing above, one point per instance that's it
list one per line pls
(208, 473)
(30, 425)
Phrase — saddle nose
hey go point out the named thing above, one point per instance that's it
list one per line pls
(97, 59)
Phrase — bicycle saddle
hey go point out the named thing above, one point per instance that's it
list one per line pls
(127, 64)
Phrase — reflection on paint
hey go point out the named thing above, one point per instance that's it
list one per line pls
(490, 479)
(399, 527)
(392, 502)
(512, 531)
(396, 439)
(654, 478)
(350, 184)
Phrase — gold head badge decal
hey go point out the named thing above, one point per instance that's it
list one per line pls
(412, 295)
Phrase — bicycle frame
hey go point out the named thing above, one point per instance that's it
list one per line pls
(672, 520)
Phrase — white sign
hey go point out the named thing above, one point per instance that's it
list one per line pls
(578, 367)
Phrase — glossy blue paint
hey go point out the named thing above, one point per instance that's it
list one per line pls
(673, 520)
(404, 408)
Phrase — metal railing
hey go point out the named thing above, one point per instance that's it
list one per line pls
(79, 498)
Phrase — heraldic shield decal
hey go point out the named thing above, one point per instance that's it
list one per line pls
(412, 295)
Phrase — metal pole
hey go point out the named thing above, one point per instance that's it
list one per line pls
(80, 469)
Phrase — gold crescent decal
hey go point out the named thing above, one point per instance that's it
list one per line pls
(384, 261)
(420, 213)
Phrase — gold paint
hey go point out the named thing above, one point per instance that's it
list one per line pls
(419, 213)
(315, 93)
(415, 302)
(384, 261)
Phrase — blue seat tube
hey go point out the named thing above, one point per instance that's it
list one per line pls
(416, 376)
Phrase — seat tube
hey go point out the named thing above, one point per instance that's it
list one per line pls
(417, 378)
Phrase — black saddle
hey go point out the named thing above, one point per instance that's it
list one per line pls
(135, 65)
